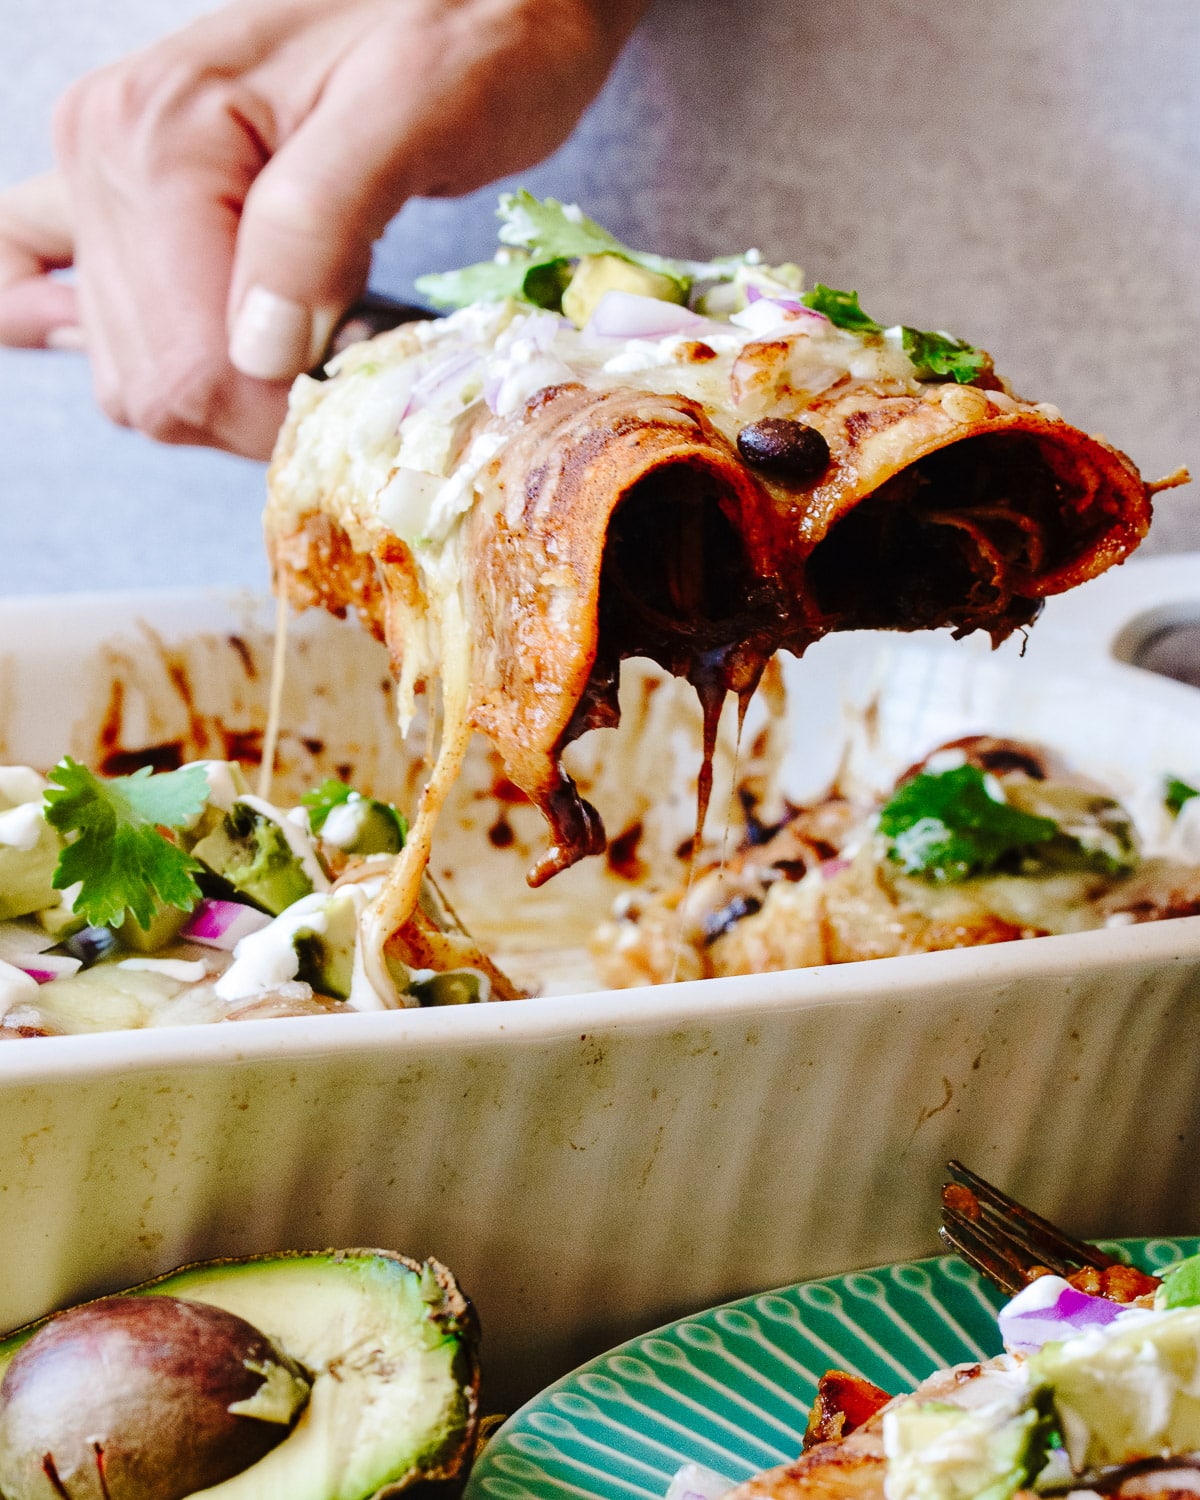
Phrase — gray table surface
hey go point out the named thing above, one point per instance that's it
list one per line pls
(1026, 174)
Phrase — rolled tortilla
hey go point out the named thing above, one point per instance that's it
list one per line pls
(581, 501)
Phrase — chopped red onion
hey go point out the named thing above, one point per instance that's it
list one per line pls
(629, 315)
(831, 867)
(1050, 1309)
(222, 924)
(789, 304)
(49, 966)
(443, 375)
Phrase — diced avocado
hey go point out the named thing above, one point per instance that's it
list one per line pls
(1180, 1284)
(313, 940)
(105, 998)
(326, 956)
(353, 823)
(389, 1345)
(226, 782)
(1129, 1392)
(59, 920)
(939, 1451)
(164, 928)
(29, 847)
(251, 853)
(597, 274)
(455, 987)
(1094, 831)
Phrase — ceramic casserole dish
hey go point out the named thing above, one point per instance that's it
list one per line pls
(594, 1162)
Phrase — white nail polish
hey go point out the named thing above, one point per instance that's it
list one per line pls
(271, 336)
(66, 336)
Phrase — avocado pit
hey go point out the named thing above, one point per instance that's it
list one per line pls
(142, 1398)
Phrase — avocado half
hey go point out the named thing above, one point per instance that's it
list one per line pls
(390, 1346)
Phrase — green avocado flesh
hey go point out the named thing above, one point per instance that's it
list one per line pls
(1129, 1395)
(251, 853)
(391, 1347)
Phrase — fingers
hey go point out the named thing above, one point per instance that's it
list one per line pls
(429, 101)
(157, 175)
(304, 242)
(35, 238)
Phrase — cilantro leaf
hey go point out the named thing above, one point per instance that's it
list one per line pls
(933, 354)
(947, 826)
(322, 800)
(493, 280)
(1176, 793)
(119, 856)
(841, 308)
(940, 354)
(548, 228)
(546, 236)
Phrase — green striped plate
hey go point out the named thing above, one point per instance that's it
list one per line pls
(730, 1388)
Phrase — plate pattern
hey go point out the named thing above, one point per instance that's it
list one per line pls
(730, 1388)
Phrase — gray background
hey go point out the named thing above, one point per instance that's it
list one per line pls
(1025, 173)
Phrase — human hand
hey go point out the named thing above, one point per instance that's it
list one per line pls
(219, 192)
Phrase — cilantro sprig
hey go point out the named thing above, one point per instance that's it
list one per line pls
(1176, 793)
(118, 853)
(541, 239)
(947, 826)
(932, 353)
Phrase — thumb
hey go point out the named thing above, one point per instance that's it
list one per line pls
(304, 242)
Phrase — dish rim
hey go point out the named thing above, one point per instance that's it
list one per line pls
(654, 1008)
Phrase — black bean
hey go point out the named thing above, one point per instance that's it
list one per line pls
(782, 446)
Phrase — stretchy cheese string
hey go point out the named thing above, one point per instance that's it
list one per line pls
(402, 888)
(266, 769)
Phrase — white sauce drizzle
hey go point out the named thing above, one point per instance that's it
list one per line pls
(21, 826)
(20, 784)
(189, 971)
(16, 987)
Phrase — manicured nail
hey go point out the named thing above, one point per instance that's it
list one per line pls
(271, 336)
(66, 336)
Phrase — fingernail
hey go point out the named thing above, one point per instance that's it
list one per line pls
(271, 336)
(66, 336)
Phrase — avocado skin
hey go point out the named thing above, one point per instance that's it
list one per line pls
(451, 1315)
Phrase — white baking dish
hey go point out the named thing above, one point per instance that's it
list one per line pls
(593, 1163)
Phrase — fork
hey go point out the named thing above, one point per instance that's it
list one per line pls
(1007, 1242)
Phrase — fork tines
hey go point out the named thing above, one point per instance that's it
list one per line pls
(1004, 1240)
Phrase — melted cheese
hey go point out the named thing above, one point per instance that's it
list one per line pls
(398, 898)
(275, 700)
(394, 446)
(389, 446)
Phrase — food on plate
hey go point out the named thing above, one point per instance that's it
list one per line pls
(158, 899)
(603, 454)
(1093, 1395)
(317, 1375)
(986, 841)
